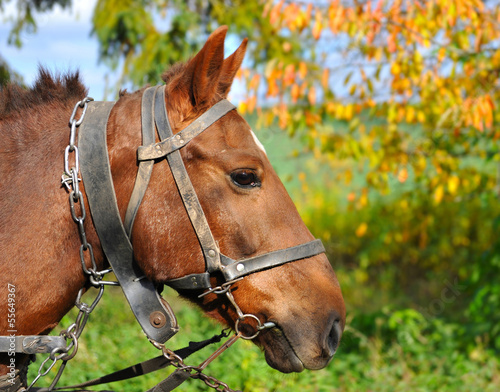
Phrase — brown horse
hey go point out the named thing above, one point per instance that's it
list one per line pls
(247, 208)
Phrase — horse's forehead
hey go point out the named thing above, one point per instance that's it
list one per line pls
(239, 133)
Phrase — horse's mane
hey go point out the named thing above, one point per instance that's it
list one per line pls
(48, 88)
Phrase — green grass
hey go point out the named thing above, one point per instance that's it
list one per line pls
(380, 360)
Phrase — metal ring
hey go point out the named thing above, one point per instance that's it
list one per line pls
(237, 324)
(73, 345)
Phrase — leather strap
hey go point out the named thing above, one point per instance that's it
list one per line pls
(173, 143)
(190, 282)
(141, 294)
(186, 190)
(236, 269)
(31, 344)
(232, 269)
(145, 167)
(171, 382)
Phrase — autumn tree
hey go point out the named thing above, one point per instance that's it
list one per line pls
(428, 70)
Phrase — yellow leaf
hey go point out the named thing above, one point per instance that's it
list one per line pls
(318, 25)
(242, 107)
(275, 13)
(339, 111)
(312, 96)
(391, 43)
(420, 164)
(349, 111)
(325, 78)
(302, 69)
(289, 76)
(252, 101)
(361, 230)
(254, 82)
(403, 175)
(295, 93)
(421, 116)
(348, 177)
(410, 114)
(363, 200)
(330, 108)
(441, 54)
(395, 69)
(453, 183)
(438, 194)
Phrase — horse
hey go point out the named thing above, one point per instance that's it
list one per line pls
(296, 308)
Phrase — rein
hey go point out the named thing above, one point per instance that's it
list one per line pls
(152, 312)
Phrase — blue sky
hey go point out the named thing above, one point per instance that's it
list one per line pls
(62, 43)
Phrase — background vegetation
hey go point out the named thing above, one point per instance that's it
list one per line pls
(381, 118)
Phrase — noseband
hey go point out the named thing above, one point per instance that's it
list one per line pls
(154, 315)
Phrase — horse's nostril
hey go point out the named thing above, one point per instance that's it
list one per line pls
(333, 338)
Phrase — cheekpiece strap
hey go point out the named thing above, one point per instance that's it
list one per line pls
(145, 167)
(184, 185)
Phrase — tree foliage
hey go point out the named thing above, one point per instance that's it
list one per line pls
(24, 21)
(144, 37)
(427, 71)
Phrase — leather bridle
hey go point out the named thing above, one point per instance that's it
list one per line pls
(114, 235)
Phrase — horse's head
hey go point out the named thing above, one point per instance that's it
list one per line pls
(249, 213)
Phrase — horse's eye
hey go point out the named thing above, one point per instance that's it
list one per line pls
(245, 178)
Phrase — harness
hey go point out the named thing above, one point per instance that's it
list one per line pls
(153, 313)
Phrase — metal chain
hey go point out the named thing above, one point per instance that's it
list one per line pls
(71, 181)
(197, 371)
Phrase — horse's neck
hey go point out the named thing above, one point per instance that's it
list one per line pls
(40, 242)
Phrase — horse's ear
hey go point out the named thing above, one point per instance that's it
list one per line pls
(229, 69)
(205, 68)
